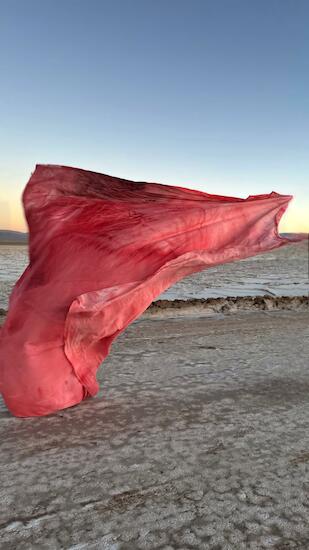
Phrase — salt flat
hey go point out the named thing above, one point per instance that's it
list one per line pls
(199, 439)
(280, 272)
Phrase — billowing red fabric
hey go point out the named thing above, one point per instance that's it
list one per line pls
(101, 249)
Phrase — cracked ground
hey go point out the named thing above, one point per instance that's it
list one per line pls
(198, 439)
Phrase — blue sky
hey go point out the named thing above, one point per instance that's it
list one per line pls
(212, 95)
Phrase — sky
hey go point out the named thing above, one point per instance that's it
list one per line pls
(211, 95)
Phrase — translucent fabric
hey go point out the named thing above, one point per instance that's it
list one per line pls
(101, 249)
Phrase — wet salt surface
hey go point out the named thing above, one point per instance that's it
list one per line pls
(13, 261)
(282, 272)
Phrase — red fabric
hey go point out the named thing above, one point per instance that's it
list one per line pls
(101, 249)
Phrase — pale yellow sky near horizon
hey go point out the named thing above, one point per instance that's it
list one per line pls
(295, 219)
(13, 178)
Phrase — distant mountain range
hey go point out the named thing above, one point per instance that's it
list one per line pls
(13, 237)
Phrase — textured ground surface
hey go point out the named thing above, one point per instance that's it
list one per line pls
(199, 440)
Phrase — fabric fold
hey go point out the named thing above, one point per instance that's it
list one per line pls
(101, 250)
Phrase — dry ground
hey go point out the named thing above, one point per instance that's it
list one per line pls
(199, 439)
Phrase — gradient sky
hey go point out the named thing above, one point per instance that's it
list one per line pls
(212, 95)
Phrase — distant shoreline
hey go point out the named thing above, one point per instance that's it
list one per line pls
(8, 237)
(14, 243)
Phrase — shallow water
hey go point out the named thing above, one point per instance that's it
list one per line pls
(282, 272)
(13, 261)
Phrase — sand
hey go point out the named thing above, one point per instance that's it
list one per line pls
(199, 439)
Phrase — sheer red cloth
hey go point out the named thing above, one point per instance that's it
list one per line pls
(101, 249)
